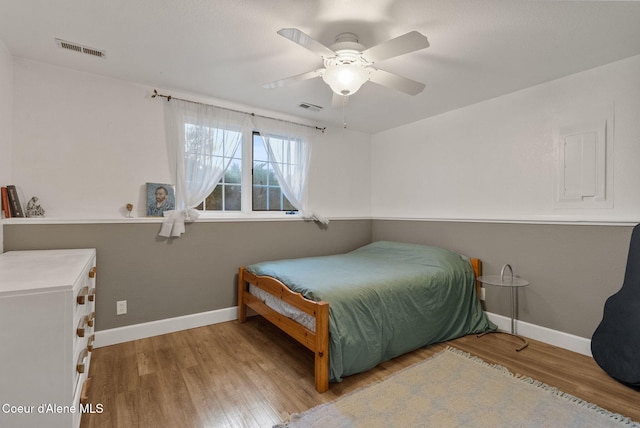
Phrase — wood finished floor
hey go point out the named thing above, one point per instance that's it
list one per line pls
(252, 375)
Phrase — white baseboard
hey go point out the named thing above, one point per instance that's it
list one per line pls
(169, 325)
(140, 331)
(568, 341)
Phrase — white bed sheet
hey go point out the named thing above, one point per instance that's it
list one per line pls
(283, 308)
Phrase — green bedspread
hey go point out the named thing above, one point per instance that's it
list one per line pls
(385, 299)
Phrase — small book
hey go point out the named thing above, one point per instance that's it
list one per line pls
(5, 202)
(14, 202)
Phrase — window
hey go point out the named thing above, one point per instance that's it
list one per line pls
(266, 193)
(265, 190)
(212, 169)
(217, 151)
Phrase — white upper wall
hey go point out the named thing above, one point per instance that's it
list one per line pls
(497, 159)
(85, 145)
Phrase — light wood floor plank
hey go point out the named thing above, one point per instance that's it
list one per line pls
(253, 375)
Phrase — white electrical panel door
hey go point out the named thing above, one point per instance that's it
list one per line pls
(582, 167)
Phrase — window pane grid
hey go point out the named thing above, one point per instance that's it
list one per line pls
(226, 195)
(266, 192)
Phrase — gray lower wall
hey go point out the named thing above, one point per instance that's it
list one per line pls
(164, 278)
(572, 269)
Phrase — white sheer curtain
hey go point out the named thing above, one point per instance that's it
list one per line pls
(201, 139)
(289, 148)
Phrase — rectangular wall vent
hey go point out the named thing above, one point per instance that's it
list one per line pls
(80, 48)
(310, 107)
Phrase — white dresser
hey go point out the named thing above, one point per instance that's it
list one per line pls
(47, 314)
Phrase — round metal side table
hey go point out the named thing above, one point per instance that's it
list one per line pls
(513, 283)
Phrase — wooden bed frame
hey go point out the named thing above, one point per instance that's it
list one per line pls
(317, 341)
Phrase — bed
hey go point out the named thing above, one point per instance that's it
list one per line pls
(357, 309)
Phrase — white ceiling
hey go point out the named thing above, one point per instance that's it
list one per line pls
(227, 49)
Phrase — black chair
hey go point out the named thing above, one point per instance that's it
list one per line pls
(615, 344)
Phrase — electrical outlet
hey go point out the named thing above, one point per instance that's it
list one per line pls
(121, 307)
(482, 296)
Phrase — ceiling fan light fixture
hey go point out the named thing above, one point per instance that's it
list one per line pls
(345, 79)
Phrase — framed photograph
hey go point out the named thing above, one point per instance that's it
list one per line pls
(160, 198)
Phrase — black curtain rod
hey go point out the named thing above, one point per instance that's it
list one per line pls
(169, 98)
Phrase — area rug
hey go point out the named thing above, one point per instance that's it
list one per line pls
(454, 389)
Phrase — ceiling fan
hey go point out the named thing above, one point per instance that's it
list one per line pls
(348, 64)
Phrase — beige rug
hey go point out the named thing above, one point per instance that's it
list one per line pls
(453, 389)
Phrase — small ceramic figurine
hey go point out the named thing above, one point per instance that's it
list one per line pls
(129, 209)
(34, 209)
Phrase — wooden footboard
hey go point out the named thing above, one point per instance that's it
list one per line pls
(317, 341)
(476, 264)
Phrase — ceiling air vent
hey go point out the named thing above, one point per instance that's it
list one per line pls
(310, 107)
(79, 48)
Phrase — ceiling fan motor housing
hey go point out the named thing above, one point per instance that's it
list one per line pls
(347, 42)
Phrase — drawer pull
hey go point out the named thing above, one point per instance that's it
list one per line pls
(92, 272)
(84, 397)
(80, 298)
(80, 366)
(92, 339)
(92, 295)
(84, 321)
(91, 319)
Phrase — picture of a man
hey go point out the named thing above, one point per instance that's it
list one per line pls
(159, 199)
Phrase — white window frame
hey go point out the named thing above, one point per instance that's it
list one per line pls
(246, 209)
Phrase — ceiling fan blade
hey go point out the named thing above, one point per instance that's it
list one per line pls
(401, 45)
(339, 101)
(396, 82)
(293, 79)
(305, 41)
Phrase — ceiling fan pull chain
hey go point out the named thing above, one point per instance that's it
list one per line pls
(344, 112)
